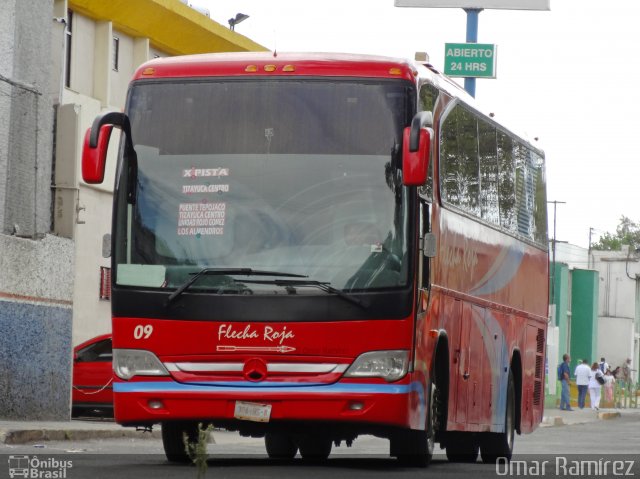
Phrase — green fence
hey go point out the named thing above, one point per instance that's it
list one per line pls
(625, 395)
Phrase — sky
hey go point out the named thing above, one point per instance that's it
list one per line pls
(565, 76)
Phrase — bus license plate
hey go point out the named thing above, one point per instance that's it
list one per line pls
(250, 411)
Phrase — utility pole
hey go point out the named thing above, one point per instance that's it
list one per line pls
(553, 249)
(589, 250)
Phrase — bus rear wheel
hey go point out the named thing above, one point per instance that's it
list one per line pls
(500, 445)
(173, 439)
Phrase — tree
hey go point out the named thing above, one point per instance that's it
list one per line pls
(627, 233)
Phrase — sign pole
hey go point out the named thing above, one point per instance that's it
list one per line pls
(472, 37)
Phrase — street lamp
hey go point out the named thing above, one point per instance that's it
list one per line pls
(240, 17)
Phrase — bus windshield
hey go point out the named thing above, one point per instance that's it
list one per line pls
(299, 177)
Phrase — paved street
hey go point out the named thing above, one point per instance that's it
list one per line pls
(583, 437)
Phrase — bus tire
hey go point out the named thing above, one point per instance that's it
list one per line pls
(314, 448)
(462, 447)
(173, 442)
(280, 446)
(415, 448)
(500, 445)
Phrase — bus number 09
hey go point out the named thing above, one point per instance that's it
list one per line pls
(142, 332)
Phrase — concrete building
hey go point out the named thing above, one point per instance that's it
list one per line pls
(595, 310)
(36, 267)
(61, 64)
(619, 306)
(573, 296)
(101, 44)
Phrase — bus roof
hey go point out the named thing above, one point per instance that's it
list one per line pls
(280, 64)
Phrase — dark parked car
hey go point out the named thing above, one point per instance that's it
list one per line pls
(93, 378)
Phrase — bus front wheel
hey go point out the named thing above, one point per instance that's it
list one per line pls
(280, 446)
(173, 439)
(314, 448)
(462, 447)
(500, 445)
(415, 448)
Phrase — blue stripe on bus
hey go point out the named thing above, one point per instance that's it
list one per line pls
(242, 386)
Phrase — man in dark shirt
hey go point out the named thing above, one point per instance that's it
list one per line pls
(564, 374)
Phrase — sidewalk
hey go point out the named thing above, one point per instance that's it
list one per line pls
(23, 432)
(558, 417)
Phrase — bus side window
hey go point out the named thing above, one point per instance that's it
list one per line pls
(428, 96)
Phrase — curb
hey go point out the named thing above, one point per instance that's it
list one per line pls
(551, 421)
(608, 415)
(24, 436)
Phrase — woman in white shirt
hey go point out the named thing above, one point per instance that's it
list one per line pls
(594, 386)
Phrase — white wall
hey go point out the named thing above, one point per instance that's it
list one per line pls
(572, 255)
(617, 290)
(617, 304)
(615, 340)
(82, 54)
(88, 218)
(553, 338)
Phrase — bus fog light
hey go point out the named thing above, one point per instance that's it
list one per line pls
(356, 406)
(389, 365)
(155, 404)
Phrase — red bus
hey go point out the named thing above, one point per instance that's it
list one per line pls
(313, 247)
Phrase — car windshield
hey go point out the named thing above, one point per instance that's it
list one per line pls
(295, 177)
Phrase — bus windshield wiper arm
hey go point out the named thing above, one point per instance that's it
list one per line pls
(223, 272)
(323, 285)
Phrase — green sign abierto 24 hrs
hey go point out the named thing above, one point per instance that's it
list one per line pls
(476, 60)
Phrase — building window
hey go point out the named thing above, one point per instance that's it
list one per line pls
(105, 283)
(67, 54)
(116, 53)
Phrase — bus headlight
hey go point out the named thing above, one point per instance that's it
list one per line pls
(389, 365)
(128, 363)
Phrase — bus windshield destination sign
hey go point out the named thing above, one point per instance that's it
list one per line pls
(477, 60)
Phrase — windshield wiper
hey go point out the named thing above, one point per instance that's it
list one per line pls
(290, 284)
(225, 272)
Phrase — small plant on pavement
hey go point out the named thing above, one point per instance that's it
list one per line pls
(197, 451)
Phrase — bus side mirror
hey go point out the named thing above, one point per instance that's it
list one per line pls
(96, 144)
(94, 158)
(416, 149)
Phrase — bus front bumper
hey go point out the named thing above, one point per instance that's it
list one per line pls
(399, 405)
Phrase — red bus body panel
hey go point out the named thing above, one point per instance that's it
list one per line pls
(303, 396)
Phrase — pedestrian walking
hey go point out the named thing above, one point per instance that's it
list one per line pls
(609, 379)
(582, 373)
(626, 373)
(596, 380)
(604, 365)
(564, 375)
